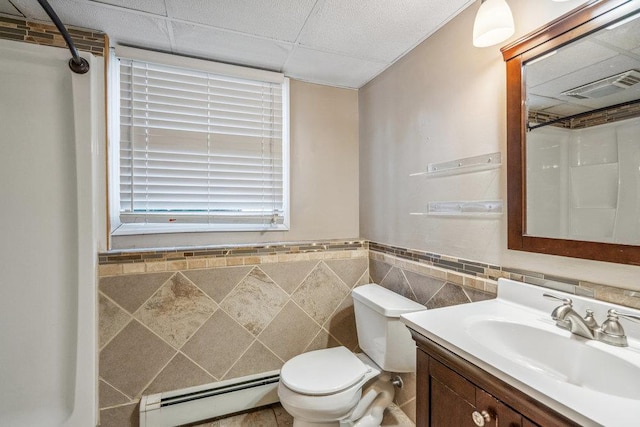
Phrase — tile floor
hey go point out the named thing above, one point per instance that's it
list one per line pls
(276, 416)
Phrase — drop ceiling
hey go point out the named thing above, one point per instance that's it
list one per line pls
(343, 43)
(603, 54)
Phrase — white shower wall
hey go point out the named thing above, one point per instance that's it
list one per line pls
(585, 184)
(51, 137)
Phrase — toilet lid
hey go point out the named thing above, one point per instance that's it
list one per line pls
(324, 371)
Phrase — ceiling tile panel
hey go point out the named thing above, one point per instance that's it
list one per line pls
(151, 6)
(615, 65)
(280, 20)
(31, 9)
(376, 29)
(567, 109)
(535, 102)
(229, 47)
(581, 55)
(7, 7)
(333, 42)
(122, 26)
(626, 37)
(331, 69)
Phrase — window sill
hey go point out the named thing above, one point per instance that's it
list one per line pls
(132, 229)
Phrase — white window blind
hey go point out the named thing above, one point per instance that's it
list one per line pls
(199, 147)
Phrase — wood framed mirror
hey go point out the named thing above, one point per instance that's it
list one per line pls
(566, 209)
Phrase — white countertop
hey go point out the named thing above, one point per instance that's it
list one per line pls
(594, 383)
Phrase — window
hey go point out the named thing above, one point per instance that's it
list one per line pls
(201, 147)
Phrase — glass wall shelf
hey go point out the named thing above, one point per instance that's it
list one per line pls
(477, 208)
(461, 166)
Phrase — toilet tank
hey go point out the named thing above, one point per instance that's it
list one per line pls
(381, 335)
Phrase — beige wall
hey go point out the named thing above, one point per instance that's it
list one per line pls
(324, 175)
(443, 101)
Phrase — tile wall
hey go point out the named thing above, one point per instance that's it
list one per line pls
(178, 318)
(213, 318)
(173, 319)
(483, 276)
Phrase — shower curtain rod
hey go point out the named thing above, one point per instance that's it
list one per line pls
(77, 63)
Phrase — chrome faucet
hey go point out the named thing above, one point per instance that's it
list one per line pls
(611, 332)
(567, 318)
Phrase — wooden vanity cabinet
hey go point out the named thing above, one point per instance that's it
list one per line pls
(451, 391)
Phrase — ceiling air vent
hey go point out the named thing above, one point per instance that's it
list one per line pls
(606, 86)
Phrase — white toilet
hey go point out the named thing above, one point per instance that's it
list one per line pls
(325, 387)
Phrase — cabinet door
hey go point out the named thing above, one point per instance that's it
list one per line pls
(448, 408)
(453, 398)
(454, 401)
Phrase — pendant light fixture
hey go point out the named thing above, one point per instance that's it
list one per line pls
(493, 24)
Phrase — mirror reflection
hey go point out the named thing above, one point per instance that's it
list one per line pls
(583, 138)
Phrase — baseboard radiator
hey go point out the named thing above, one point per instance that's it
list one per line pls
(212, 400)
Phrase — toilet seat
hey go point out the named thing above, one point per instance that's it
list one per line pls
(323, 372)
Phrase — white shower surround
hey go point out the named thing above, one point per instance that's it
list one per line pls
(585, 183)
(52, 124)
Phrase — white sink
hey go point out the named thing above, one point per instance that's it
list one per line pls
(572, 361)
(514, 338)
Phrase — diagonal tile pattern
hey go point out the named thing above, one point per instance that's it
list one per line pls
(133, 290)
(164, 331)
(217, 282)
(320, 293)
(396, 281)
(111, 320)
(477, 295)
(424, 287)
(290, 332)
(349, 270)
(218, 344)
(378, 270)
(109, 396)
(323, 340)
(450, 294)
(289, 275)
(176, 310)
(255, 301)
(133, 358)
(201, 325)
(342, 324)
(120, 416)
(179, 373)
(256, 359)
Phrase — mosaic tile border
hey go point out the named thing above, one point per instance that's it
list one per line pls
(127, 262)
(446, 276)
(460, 271)
(172, 254)
(611, 115)
(478, 275)
(48, 35)
(458, 265)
